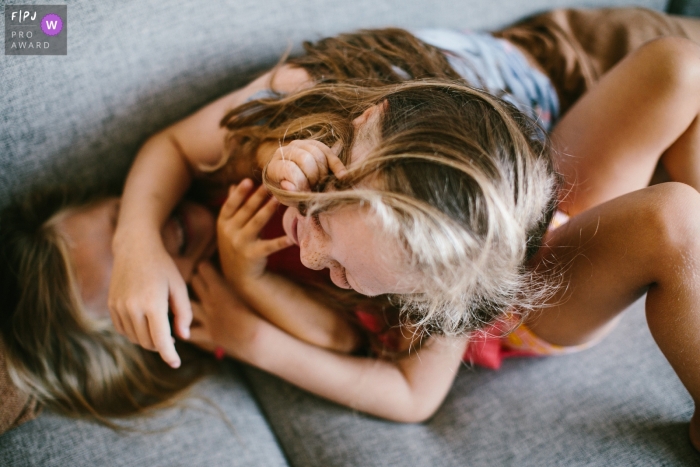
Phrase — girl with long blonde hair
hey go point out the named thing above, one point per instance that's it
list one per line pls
(435, 198)
(432, 197)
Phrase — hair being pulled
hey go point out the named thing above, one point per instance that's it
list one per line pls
(461, 179)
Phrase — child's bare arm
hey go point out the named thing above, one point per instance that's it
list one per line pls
(145, 280)
(408, 390)
(287, 306)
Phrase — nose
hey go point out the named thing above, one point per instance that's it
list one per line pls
(311, 257)
(313, 247)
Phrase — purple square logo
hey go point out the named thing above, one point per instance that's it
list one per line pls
(36, 29)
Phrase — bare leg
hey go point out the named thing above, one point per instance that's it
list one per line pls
(643, 111)
(675, 160)
(691, 26)
(612, 254)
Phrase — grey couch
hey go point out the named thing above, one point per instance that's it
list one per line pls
(132, 68)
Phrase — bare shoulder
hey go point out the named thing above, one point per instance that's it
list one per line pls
(288, 79)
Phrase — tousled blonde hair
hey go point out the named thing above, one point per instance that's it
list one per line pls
(461, 179)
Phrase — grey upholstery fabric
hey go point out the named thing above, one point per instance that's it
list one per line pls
(617, 404)
(133, 67)
(218, 425)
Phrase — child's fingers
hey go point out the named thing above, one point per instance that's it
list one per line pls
(334, 162)
(261, 218)
(130, 330)
(310, 157)
(160, 333)
(211, 277)
(326, 158)
(236, 196)
(337, 146)
(288, 186)
(117, 322)
(140, 325)
(199, 285)
(199, 317)
(249, 208)
(200, 334)
(268, 247)
(202, 339)
(218, 287)
(180, 305)
(288, 175)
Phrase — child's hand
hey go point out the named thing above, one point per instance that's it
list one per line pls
(144, 282)
(243, 255)
(221, 319)
(300, 165)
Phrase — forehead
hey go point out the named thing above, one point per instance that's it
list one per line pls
(82, 221)
(88, 232)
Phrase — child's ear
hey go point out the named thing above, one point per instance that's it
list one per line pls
(364, 117)
(376, 109)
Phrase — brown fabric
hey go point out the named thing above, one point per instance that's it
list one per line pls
(576, 47)
(15, 406)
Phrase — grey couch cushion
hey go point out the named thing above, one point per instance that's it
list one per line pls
(218, 425)
(135, 66)
(617, 404)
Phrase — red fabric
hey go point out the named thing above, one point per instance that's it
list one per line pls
(488, 351)
(484, 350)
